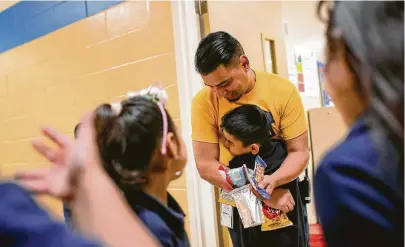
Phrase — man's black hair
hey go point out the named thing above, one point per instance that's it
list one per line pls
(215, 49)
(248, 123)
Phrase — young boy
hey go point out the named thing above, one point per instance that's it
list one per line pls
(248, 131)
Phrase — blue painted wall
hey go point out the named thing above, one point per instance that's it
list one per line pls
(26, 21)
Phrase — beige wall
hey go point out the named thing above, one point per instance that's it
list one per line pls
(6, 4)
(246, 21)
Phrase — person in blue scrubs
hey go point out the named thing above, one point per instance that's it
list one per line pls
(24, 223)
(359, 186)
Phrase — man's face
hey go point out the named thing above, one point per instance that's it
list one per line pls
(230, 82)
(235, 146)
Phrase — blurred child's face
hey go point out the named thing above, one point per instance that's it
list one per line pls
(236, 146)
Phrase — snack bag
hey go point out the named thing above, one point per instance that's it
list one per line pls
(235, 177)
(249, 207)
(274, 219)
(226, 198)
(258, 176)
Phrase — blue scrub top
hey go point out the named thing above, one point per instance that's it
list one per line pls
(357, 196)
(166, 223)
(24, 224)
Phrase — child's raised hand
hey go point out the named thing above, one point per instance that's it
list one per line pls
(67, 160)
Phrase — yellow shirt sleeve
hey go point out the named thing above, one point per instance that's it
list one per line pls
(203, 119)
(293, 122)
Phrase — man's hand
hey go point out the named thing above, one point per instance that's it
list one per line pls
(281, 199)
(222, 170)
(206, 158)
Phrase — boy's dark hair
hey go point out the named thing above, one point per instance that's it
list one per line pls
(215, 49)
(128, 141)
(76, 131)
(248, 123)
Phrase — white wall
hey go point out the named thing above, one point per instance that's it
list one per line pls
(303, 30)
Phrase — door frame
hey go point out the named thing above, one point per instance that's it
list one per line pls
(200, 194)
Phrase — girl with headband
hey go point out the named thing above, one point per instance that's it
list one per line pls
(141, 151)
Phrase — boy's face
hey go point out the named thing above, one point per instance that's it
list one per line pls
(236, 146)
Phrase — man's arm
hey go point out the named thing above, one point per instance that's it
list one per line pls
(294, 131)
(206, 158)
(205, 140)
(295, 163)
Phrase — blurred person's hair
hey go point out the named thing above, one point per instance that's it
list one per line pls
(372, 34)
(215, 49)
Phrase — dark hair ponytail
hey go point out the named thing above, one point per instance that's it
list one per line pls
(128, 140)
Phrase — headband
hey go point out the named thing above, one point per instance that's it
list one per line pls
(156, 94)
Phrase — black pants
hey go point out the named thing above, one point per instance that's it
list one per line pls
(251, 237)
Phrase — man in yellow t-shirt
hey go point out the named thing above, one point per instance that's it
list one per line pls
(230, 82)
